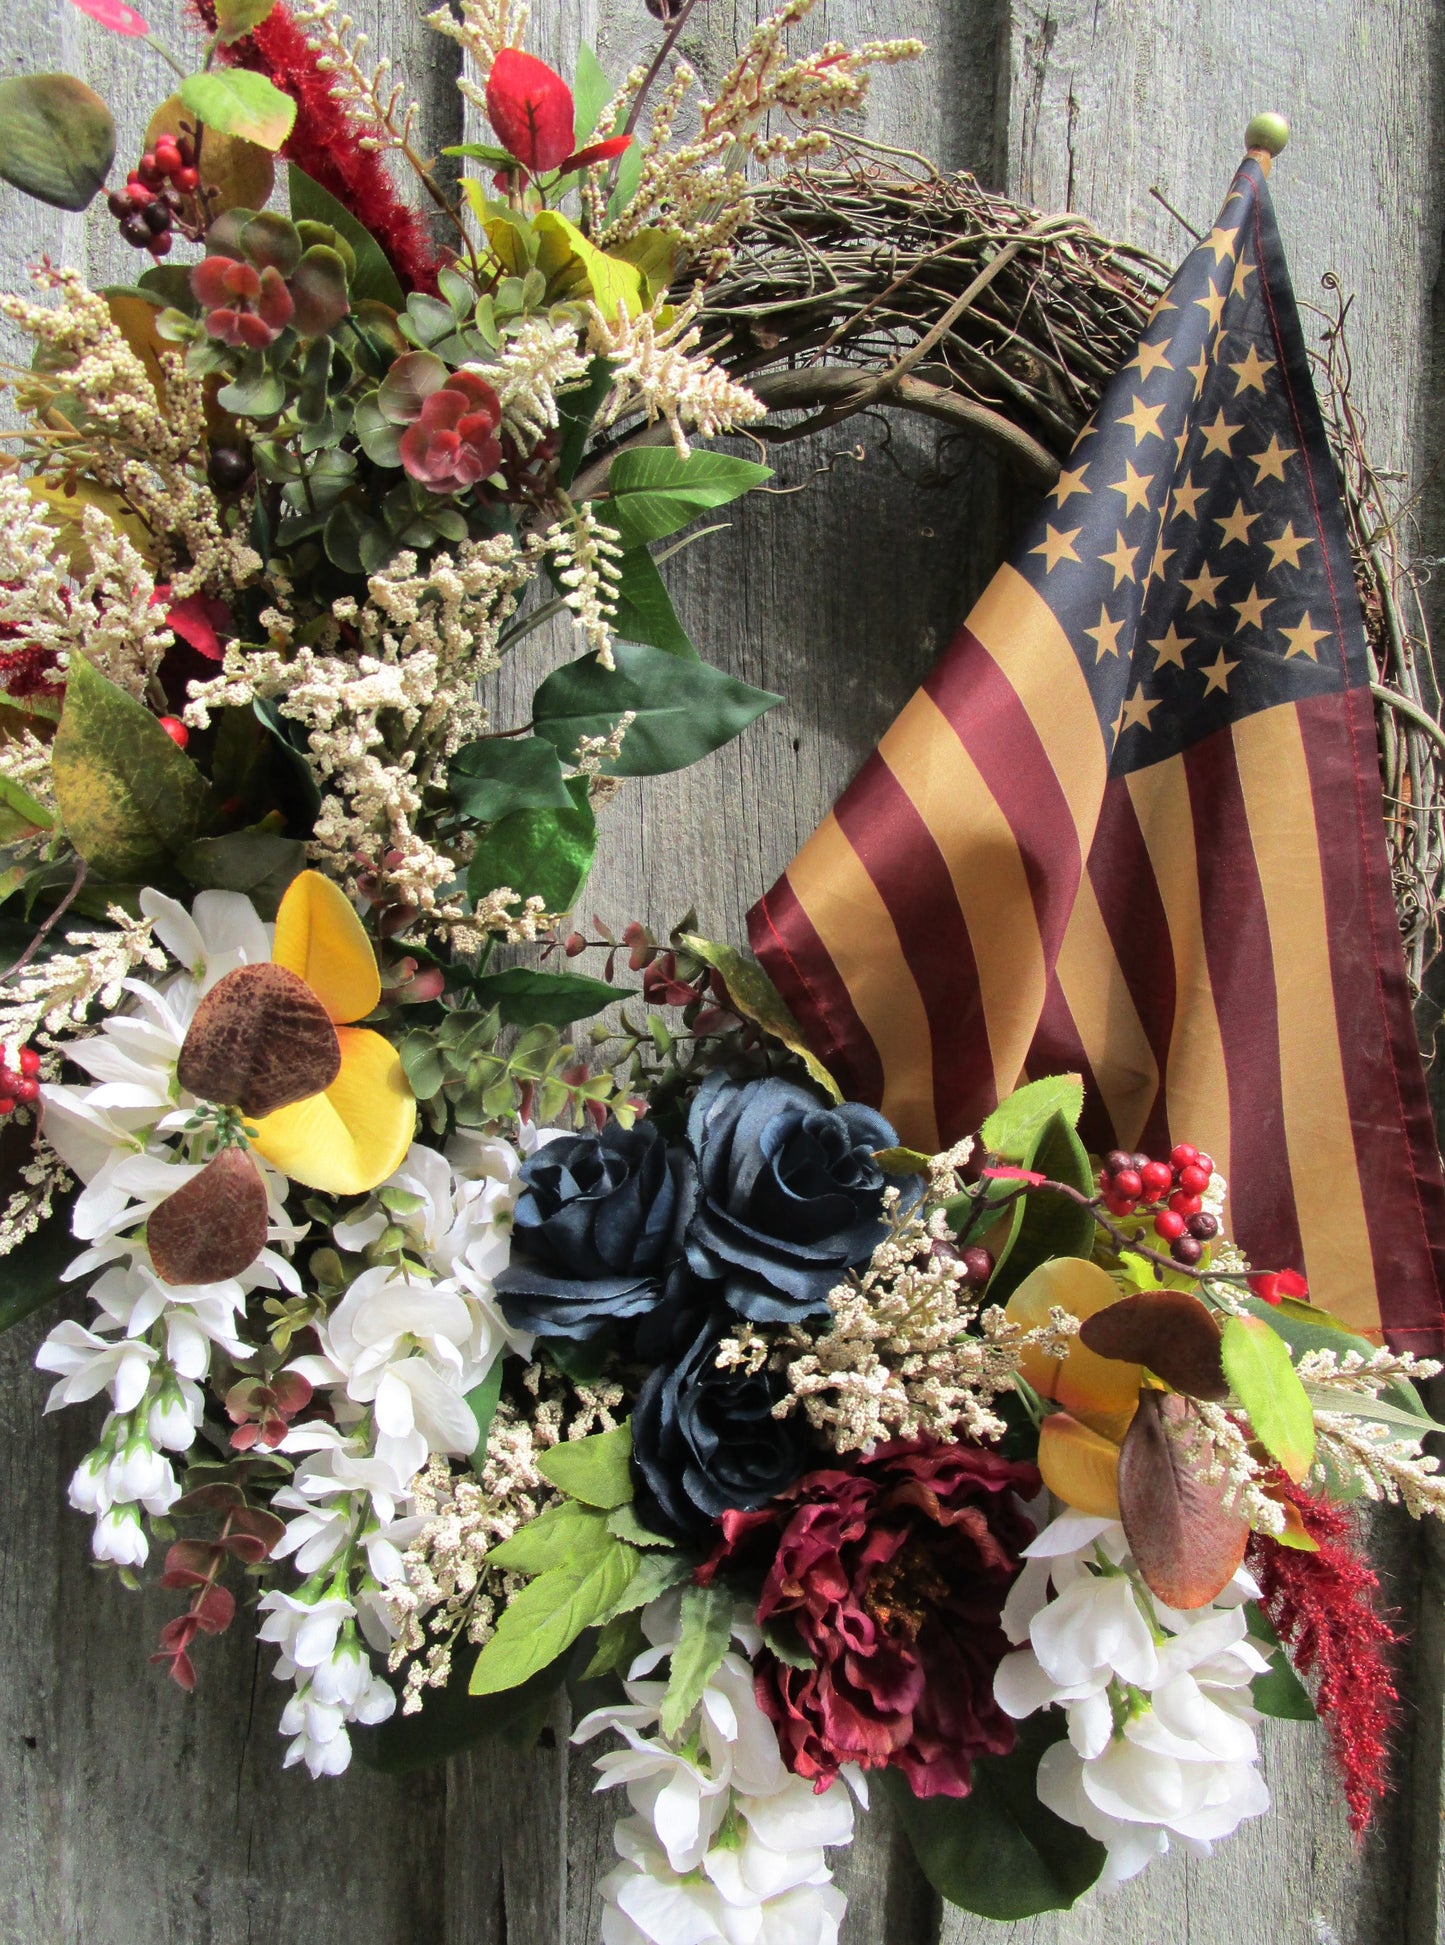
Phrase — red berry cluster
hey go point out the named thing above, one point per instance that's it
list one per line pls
(150, 202)
(1173, 1189)
(20, 1085)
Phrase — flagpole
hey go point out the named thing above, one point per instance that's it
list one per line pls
(1264, 138)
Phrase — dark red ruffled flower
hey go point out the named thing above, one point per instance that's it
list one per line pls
(244, 307)
(452, 442)
(893, 1574)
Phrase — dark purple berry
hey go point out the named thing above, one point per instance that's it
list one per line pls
(228, 468)
(1139, 1161)
(1203, 1227)
(160, 246)
(157, 217)
(1116, 1159)
(137, 231)
(118, 203)
(1186, 1250)
(978, 1265)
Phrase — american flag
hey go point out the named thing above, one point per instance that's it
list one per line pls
(1131, 824)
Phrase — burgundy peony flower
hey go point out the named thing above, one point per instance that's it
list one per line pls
(452, 442)
(893, 1574)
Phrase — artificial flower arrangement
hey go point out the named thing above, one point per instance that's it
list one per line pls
(472, 1361)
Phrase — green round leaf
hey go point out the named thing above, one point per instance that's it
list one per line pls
(57, 138)
(237, 102)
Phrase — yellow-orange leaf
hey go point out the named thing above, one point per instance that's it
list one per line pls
(1100, 1391)
(1079, 1466)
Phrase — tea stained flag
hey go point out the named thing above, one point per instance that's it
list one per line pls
(1131, 824)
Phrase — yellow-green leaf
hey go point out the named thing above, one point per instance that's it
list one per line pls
(549, 1614)
(1263, 1378)
(595, 1470)
(128, 798)
(237, 102)
(758, 999)
(574, 267)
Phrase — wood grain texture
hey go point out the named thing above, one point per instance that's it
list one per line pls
(132, 1815)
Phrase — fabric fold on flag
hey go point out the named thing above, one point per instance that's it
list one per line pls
(1131, 824)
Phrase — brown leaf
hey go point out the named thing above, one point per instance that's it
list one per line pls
(1185, 1539)
(214, 1227)
(1171, 1332)
(260, 1040)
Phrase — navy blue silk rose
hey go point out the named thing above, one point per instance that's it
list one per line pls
(789, 1197)
(593, 1231)
(705, 1440)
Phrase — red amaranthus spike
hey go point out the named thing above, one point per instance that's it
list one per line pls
(325, 142)
(1322, 1606)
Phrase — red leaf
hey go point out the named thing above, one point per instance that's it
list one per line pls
(115, 15)
(203, 624)
(530, 107)
(194, 1558)
(178, 1634)
(1169, 1331)
(1186, 1540)
(214, 1226)
(1272, 1286)
(217, 1498)
(215, 1610)
(293, 1392)
(1015, 1175)
(598, 152)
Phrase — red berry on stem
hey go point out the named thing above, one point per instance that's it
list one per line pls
(978, 1265)
(1185, 1205)
(176, 730)
(1118, 1205)
(1206, 1162)
(1184, 1155)
(29, 1061)
(160, 246)
(1128, 1184)
(1168, 1225)
(1117, 1159)
(1193, 1179)
(187, 180)
(168, 155)
(1157, 1178)
(149, 171)
(27, 1092)
(7, 1106)
(9, 1079)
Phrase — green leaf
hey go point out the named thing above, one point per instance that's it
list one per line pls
(618, 1646)
(644, 607)
(30, 1274)
(998, 1851)
(781, 1637)
(559, 1537)
(624, 1523)
(499, 774)
(656, 1572)
(1305, 1327)
(901, 1161)
(129, 799)
(758, 999)
(1016, 1123)
(684, 710)
(20, 813)
(527, 998)
(482, 1402)
(655, 491)
(1263, 1378)
(549, 1614)
(1356, 1404)
(591, 92)
(374, 279)
(576, 410)
(236, 18)
(1279, 1691)
(57, 138)
(545, 853)
(629, 175)
(1047, 1225)
(235, 101)
(596, 1470)
(256, 863)
(706, 1629)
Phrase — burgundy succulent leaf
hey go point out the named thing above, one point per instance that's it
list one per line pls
(262, 1412)
(893, 1574)
(452, 443)
(245, 307)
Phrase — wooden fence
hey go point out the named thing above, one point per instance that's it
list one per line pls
(132, 1815)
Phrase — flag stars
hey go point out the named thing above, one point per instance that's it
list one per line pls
(1162, 556)
(1249, 372)
(1217, 673)
(1057, 546)
(1170, 647)
(1212, 305)
(1150, 357)
(1269, 464)
(1218, 435)
(1199, 372)
(1121, 560)
(1186, 499)
(1203, 589)
(1143, 421)
(1241, 271)
(1222, 242)
(1287, 547)
(1237, 526)
(1069, 484)
(1106, 635)
(1136, 711)
(1303, 638)
(1251, 609)
(1134, 486)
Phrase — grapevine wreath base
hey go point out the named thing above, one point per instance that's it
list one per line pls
(470, 1361)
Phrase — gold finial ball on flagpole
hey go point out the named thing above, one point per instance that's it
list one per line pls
(1267, 132)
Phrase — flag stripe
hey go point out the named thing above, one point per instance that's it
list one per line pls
(1194, 1075)
(1383, 1076)
(783, 937)
(882, 824)
(1058, 1048)
(1241, 973)
(1279, 805)
(857, 932)
(1112, 1037)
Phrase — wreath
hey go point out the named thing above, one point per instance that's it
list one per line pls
(476, 1351)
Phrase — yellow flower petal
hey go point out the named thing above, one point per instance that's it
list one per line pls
(351, 1137)
(320, 938)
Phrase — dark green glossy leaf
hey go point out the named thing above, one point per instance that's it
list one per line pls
(527, 998)
(654, 491)
(257, 863)
(538, 853)
(482, 1400)
(57, 138)
(684, 710)
(576, 410)
(644, 607)
(499, 774)
(1044, 1224)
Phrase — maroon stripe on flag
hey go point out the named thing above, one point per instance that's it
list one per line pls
(901, 856)
(799, 965)
(1057, 1049)
(1123, 878)
(990, 719)
(1396, 1147)
(1241, 973)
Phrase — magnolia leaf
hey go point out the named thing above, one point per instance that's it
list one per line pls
(482, 1403)
(1186, 1540)
(1258, 1366)
(653, 491)
(1171, 1332)
(237, 174)
(656, 1572)
(527, 999)
(683, 710)
(999, 1851)
(374, 280)
(706, 1621)
(644, 607)
(596, 1470)
(754, 995)
(238, 102)
(561, 1536)
(549, 1614)
(1014, 1127)
(1046, 1224)
(258, 864)
(1079, 1465)
(57, 138)
(128, 797)
(496, 775)
(538, 853)
(260, 1040)
(1101, 1392)
(214, 1226)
